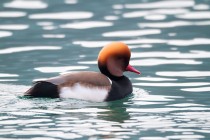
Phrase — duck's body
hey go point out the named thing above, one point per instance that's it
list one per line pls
(108, 85)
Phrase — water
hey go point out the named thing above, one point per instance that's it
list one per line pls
(169, 40)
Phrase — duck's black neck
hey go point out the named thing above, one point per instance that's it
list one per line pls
(115, 78)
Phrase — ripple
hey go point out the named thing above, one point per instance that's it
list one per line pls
(32, 4)
(189, 84)
(12, 14)
(193, 54)
(165, 24)
(95, 44)
(111, 17)
(185, 137)
(153, 138)
(162, 12)
(41, 138)
(45, 23)
(6, 89)
(135, 14)
(155, 62)
(174, 11)
(157, 98)
(8, 80)
(71, 1)
(185, 105)
(201, 7)
(5, 34)
(46, 111)
(87, 110)
(172, 24)
(91, 44)
(22, 113)
(195, 41)
(199, 89)
(49, 27)
(59, 69)
(14, 27)
(62, 15)
(28, 48)
(155, 17)
(87, 62)
(184, 73)
(195, 15)
(8, 75)
(54, 36)
(155, 79)
(131, 33)
(87, 25)
(161, 4)
(144, 41)
(140, 46)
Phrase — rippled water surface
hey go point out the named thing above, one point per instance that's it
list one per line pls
(170, 44)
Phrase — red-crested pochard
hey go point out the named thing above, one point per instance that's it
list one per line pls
(108, 85)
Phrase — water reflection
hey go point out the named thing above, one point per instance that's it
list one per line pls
(63, 15)
(28, 48)
(12, 14)
(5, 34)
(161, 4)
(21, 4)
(59, 69)
(131, 33)
(14, 27)
(87, 25)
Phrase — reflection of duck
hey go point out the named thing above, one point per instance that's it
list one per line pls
(117, 111)
(108, 85)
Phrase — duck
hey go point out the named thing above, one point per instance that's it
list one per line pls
(109, 84)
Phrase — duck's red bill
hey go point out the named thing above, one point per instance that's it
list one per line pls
(132, 69)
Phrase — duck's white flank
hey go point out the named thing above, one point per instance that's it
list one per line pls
(79, 91)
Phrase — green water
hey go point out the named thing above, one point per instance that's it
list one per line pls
(169, 40)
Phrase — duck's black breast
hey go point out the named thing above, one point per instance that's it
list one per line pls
(121, 87)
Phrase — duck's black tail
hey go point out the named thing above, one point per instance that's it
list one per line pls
(43, 89)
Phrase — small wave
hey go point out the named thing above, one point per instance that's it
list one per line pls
(59, 69)
(14, 26)
(184, 73)
(172, 24)
(8, 75)
(155, 79)
(161, 4)
(62, 15)
(192, 54)
(131, 33)
(155, 62)
(28, 48)
(195, 41)
(5, 34)
(87, 25)
(189, 84)
(26, 4)
(54, 36)
(155, 17)
(162, 12)
(199, 89)
(195, 15)
(12, 14)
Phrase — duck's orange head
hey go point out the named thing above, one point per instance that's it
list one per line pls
(113, 60)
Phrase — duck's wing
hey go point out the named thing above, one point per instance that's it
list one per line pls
(88, 78)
